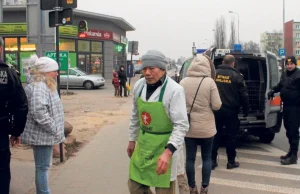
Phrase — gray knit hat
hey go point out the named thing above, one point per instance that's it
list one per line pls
(154, 58)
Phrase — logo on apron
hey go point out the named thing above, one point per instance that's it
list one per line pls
(146, 118)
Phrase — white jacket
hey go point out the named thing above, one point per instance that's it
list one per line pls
(175, 106)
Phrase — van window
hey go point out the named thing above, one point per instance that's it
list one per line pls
(273, 65)
(184, 69)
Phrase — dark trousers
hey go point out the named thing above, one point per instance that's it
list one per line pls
(291, 121)
(123, 85)
(117, 90)
(191, 145)
(4, 165)
(227, 125)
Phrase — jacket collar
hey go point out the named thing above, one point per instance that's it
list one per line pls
(223, 66)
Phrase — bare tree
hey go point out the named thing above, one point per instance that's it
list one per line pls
(220, 33)
(272, 41)
(251, 47)
(232, 34)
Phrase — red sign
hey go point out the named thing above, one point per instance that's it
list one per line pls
(97, 34)
(146, 118)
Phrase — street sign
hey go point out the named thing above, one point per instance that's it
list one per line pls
(50, 4)
(133, 46)
(129, 69)
(282, 52)
(63, 59)
(65, 17)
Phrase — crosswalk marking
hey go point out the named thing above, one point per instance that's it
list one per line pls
(254, 186)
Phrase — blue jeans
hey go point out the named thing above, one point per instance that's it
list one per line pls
(191, 145)
(42, 159)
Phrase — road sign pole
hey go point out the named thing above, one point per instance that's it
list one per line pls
(58, 61)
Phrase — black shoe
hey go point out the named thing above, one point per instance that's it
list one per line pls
(289, 154)
(290, 160)
(126, 96)
(232, 165)
(214, 164)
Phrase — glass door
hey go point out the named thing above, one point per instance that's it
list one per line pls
(84, 63)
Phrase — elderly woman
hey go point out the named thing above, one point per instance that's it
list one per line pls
(45, 121)
(202, 98)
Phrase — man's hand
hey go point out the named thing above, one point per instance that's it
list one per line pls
(163, 162)
(130, 148)
(15, 141)
(270, 95)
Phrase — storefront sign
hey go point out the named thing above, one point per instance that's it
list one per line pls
(97, 34)
(13, 28)
(116, 37)
(70, 31)
(63, 59)
(14, 2)
(124, 40)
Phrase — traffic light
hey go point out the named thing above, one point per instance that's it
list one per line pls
(83, 26)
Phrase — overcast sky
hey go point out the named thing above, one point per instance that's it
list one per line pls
(171, 26)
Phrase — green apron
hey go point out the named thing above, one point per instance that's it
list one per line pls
(155, 131)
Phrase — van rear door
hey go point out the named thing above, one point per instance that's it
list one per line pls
(273, 106)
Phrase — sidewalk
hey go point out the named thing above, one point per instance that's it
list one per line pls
(101, 167)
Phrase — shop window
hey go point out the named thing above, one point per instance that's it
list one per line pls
(25, 46)
(97, 63)
(297, 52)
(12, 59)
(66, 44)
(83, 46)
(96, 47)
(11, 44)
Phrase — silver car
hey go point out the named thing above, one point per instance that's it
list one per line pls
(78, 78)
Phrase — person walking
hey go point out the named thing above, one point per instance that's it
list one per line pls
(13, 116)
(233, 93)
(202, 98)
(45, 122)
(123, 80)
(157, 129)
(289, 88)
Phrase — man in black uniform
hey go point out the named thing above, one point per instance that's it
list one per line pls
(233, 93)
(123, 80)
(13, 115)
(289, 88)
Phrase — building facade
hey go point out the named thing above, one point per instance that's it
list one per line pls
(271, 41)
(292, 39)
(100, 50)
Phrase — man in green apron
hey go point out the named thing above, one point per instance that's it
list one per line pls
(157, 129)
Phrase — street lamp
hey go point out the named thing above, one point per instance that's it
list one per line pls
(238, 25)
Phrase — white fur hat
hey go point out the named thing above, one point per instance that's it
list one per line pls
(43, 64)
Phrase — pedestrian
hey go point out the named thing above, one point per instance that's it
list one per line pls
(13, 113)
(157, 129)
(116, 84)
(202, 98)
(289, 88)
(123, 80)
(234, 94)
(45, 122)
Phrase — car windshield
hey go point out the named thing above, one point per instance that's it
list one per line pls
(81, 72)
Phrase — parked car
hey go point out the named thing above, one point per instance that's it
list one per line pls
(137, 69)
(78, 78)
(261, 73)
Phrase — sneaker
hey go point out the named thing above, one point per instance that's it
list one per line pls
(289, 154)
(232, 165)
(290, 160)
(204, 190)
(194, 190)
(214, 164)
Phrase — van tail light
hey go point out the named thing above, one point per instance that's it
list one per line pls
(276, 101)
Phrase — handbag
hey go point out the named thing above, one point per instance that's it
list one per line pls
(189, 114)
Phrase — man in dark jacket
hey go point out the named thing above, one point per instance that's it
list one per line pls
(289, 88)
(233, 93)
(123, 80)
(13, 115)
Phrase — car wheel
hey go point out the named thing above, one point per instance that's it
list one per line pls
(267, 138)
(88, 85)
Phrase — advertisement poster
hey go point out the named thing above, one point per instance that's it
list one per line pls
(24, 58)
(73, 60)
